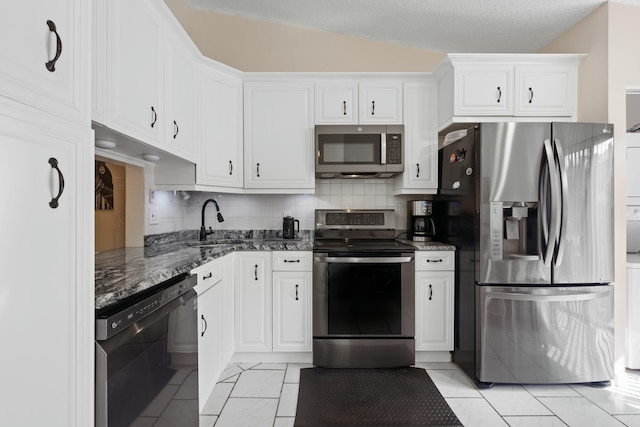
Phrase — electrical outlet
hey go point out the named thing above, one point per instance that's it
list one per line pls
(154, 217)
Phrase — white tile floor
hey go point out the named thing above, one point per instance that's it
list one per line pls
(265, 394)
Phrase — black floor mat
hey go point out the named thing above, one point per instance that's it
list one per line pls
(370, 397)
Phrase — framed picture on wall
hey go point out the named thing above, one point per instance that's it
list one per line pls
(104, 187)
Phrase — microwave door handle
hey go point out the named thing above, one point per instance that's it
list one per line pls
(383, 148)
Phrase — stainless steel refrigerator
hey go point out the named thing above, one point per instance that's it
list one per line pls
(530, 208)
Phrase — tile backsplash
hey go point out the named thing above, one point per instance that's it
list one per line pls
(182, 210)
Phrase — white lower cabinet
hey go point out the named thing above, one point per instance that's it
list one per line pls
(292, 301)
(253, 301)
(215, 297)
(435, 278)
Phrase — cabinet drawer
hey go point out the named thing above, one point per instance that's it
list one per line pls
(208, 274)
(292, 260)
(435, 260)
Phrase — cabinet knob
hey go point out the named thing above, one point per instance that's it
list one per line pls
(51, 65)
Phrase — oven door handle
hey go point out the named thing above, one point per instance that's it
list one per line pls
(364, 260)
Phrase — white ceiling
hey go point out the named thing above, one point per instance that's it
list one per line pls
(499, 26)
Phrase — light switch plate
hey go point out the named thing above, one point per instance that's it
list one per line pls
(154, 217)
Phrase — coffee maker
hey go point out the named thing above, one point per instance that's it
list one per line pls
(420, 227)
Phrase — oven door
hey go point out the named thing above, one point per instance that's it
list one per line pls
(363, 309)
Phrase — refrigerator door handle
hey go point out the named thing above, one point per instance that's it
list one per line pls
(551, 203)
(564, 200)
(517, 296)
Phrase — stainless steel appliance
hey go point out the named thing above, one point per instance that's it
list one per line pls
(288, 227)
(363, 291)
(145, 346)
(359, 151)
(420, 227)
(530, 208)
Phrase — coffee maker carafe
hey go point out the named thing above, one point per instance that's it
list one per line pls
(288, 229)
(420, 227)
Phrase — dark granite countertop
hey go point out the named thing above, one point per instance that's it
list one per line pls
(121, 273)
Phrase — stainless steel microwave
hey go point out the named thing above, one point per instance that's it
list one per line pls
(359, 151)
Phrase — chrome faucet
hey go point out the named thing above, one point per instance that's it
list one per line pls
(203, 231)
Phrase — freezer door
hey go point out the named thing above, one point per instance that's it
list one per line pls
(584, 247)
(514, 221)
(544, 335)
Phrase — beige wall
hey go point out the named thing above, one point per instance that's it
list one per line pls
(251, 45)
(110, 224)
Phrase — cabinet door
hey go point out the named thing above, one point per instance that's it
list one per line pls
(51, 339)
(292, 311)
(483, 90)
(28, 43)
(209, 340)
(336, 102)
(253, 302)
(434, 310)
(220, 160)
(179, 102)
(420, 139)
(135, 70)
(545, 90)
(380, 103)
(278, 132)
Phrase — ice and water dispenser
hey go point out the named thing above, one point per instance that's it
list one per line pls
(514, 230)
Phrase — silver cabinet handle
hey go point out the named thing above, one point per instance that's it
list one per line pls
(499, 95)
(364, 260)
(430, 292)
(530, 95)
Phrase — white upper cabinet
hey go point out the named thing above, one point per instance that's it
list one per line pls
(358, 102)
(148, 91)
(545, 90)
(380, 102)
(135, 66)
(420, 140)
(336, 102)
(220, 161)
(180, 97)
(485, 90)
(45, 56)
(501, 87)
(278, 136)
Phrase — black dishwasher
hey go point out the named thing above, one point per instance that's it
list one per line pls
(146, 357)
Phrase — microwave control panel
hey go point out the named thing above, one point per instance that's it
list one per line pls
(394, 149)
